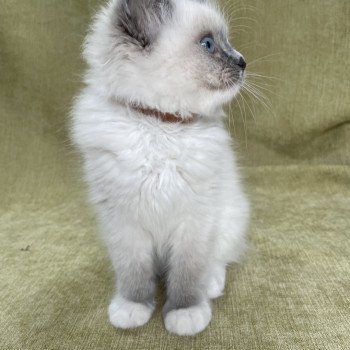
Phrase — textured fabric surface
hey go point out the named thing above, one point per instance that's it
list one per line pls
(302, 50)
(292, 289)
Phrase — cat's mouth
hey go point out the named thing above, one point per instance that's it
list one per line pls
(233, 81)
(235, 78)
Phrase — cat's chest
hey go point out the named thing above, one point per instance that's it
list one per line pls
(163, 173)
(148, 171)
(168, 156)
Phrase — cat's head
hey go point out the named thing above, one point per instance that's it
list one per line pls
(172, 55)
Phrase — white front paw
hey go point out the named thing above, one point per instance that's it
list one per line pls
(128, 314)
(188, 321)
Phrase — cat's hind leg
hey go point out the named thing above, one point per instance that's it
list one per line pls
(216, 280)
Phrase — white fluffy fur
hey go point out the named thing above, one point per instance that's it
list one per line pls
(159, 185)
(127, 314)
(188, 321)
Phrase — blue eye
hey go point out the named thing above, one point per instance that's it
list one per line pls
(208, 44)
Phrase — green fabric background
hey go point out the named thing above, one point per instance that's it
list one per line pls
(292, 291)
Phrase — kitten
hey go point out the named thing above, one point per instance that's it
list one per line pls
(158, 159)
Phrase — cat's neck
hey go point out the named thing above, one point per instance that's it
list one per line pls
(164, 117)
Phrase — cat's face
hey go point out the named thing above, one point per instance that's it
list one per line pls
(172, 55)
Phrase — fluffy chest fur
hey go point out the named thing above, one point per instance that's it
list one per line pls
(150, 170)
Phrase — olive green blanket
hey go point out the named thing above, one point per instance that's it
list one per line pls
(292, 290)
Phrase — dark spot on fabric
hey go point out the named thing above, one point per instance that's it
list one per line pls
(26, 249)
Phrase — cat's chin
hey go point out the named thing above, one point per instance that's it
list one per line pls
(223, 96)
(235, 90)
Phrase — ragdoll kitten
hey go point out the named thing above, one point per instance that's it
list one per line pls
(158, 159)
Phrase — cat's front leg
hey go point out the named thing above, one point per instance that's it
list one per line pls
(131, 252)
(188, 310)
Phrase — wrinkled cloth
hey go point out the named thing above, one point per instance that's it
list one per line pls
(291, 290)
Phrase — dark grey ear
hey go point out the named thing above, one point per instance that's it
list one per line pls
(141, 19)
